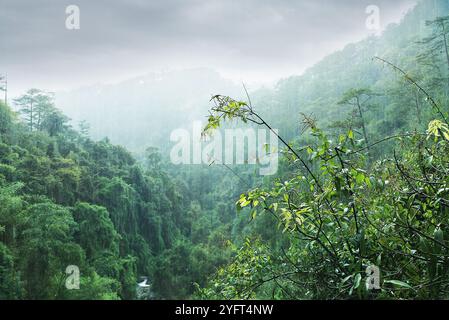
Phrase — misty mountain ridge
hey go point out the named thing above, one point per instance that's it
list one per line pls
(142, 111)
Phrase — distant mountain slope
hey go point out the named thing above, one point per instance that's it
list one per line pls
(320, 88)
(142, 112)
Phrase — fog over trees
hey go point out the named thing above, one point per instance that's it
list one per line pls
(357, 207)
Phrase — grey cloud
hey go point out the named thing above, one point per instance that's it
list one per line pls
(121, 37)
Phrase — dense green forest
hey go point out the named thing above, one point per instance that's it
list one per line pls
(363, 181)
(67, 200)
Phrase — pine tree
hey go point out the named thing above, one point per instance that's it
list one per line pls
(436, 47)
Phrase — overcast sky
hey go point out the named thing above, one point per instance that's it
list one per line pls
(245, 40)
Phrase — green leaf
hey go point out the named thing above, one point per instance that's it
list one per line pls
(360, 178)
(245, 203)
(357, 280)
(266, 148)
(439, 235)
(379, 260)
(351, 134)
(253, 214)
(399, 283)
(346, 279)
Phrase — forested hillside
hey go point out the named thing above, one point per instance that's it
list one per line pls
(362, 184)
(362, 193)
(413, 45)
(67, 200)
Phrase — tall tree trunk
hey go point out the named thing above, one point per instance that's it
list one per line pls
(443, 27)
(418, 108)
(38, 124)
(31, 116)
(365, 135)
